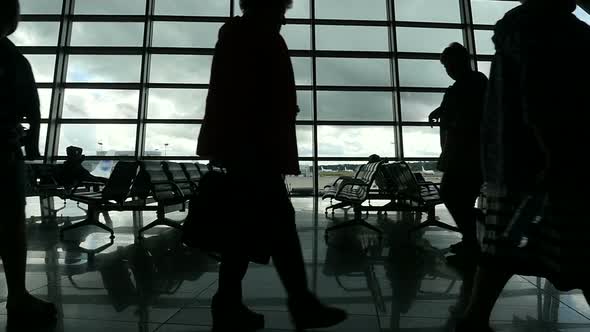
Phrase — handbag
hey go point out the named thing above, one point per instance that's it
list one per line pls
(204, 225)
(212, 228)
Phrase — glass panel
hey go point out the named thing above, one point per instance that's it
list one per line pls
(355, 106)
(45, 101)
(43, 67)
(354, 72)
(428, 169)
(423, 73)
(107, 34)
(305, 103)
(351, 9)
(110, 7)
(171, 139)
(185, 34)
(99, 139)
(356, 141)
(489, 12)
(305, 141)
(302, 68)
(192, 7)
(36, 34)
(421, 142)
(104, 68)
(40, 7)
(102, 168)
(426, 40)
(582, 15)
(352, 38)
(100, 104)
(42, 138)
(302, 184)
(483, 42)
(329, 171)
(444, 11)
(176, 104)
(416, 106)
(297, 36)
(180, 68)
(484, 67)
(300, 9)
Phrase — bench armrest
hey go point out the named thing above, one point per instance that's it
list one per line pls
(338, 181)
(350, 182)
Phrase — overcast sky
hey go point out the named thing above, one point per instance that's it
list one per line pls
(189, 104)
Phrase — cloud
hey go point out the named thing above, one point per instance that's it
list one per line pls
(334, 141)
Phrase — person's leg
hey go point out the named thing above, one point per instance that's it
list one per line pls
(231, 272)
(20, 305)
(13, 250)
(287, 254)
(306, 310)
(459, 195)
(487, 287)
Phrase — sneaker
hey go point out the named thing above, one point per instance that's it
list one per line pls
(234, 316)
(311, 314)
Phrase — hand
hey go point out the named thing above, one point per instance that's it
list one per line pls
(434, 117)
(433, 120)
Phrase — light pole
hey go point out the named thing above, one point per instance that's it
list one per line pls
(165, 148)
(99, 146)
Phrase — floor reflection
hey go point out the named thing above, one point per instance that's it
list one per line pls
(399, 283)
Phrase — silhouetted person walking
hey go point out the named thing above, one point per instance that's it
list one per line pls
(18, 100)
(459, 116)
(535, 121)
(249, 129)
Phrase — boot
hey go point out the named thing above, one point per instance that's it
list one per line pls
(309, 313)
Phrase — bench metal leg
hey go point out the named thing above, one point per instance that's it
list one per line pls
(337, 206)
(159, 222)
(91, 220)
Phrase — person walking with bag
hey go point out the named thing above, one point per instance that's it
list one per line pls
(249, 129)
(534, 122)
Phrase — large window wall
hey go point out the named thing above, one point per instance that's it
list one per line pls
(128, 79)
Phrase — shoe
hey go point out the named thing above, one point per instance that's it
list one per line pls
(309, 313)
(30, 313)
(464, 325)
(234, 316)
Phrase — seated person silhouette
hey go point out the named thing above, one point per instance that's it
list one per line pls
(71, 172)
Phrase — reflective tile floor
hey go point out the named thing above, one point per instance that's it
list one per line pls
(399, 284)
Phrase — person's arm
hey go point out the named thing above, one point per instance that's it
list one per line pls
(31, 110)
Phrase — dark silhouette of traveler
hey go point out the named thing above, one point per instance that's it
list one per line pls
(459, 116)
(250, 115)
(19, 100)
(535, 121)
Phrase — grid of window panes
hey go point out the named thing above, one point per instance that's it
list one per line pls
(129, 78)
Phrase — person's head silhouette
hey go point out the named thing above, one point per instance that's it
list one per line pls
(455, 58)
(559, 5)
(9, 17)
(268, 11)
